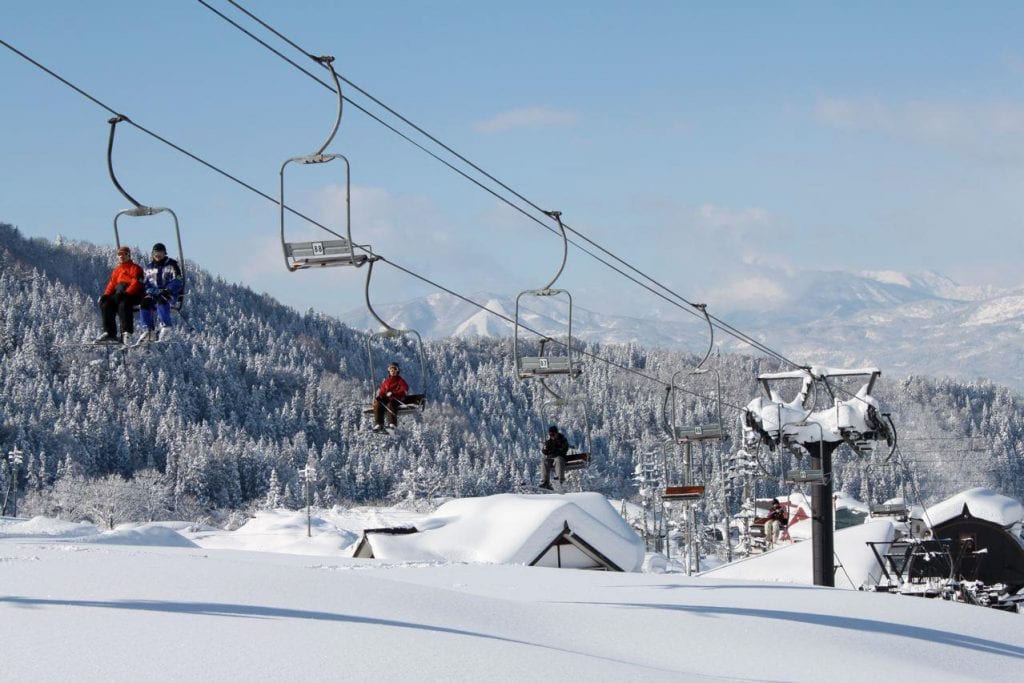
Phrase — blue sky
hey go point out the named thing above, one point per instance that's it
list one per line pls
(722, 147)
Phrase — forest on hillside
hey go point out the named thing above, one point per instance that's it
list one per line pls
(229, 415)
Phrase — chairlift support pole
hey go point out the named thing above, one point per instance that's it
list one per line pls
(822, 514)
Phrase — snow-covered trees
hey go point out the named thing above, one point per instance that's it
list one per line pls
(227, 416)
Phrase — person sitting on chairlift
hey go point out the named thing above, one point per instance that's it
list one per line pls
(390, 396)
(555, 449)
(163, 289)
(776, 522)
(122, 294)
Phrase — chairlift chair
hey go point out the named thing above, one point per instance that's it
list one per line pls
(686, 435)
(140, 210)
(580, 449)
(543, 364)
(322, 253)
(412, 403)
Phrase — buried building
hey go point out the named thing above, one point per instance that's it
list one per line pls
(983, 531)
(575, 530)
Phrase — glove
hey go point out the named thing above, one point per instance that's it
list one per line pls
(120, 289)
(165, 296)
(103, 299)
(389, 394)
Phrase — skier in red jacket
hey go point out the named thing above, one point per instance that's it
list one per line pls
(390, 396)
(124, 292)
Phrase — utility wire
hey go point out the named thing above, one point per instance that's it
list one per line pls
(314, 222)
(692, 307)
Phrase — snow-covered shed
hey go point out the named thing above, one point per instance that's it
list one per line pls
(574, 530)
(984, 528)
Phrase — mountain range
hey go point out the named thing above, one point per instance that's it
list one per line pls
(922, 323)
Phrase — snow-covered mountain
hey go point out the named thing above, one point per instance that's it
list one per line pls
(904, 323)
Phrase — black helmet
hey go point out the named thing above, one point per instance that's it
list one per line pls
(159, 248)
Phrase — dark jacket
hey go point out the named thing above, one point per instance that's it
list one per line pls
(555, 446)
(164, 274)
(777, 512)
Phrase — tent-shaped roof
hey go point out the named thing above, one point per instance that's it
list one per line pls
(579, 530)
(983, 504)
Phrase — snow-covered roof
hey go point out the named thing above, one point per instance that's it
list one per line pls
(983, 503)
(513, 529)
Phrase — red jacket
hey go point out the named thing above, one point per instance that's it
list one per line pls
(129, 273)
(396, 385)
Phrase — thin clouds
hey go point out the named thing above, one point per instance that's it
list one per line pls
(736, 223)
(986, 131)
(527, 117)
(749, 294)
(1015, 63)
(857, 115)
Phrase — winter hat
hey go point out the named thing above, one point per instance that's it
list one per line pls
(123, 250)
(159, 248)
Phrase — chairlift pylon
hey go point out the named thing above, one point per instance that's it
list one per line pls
(322, 253)
(139, 210)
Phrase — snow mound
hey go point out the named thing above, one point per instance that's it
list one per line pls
(44, 526)
(152, 535)
(513, 529)
(282, 531)
(983, 503)
(794, 563)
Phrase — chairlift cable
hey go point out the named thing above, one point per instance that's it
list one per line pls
(504, 317)
(157, 137)
(723, 325)
(274, 200)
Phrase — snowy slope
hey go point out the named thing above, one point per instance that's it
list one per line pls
(96, 611)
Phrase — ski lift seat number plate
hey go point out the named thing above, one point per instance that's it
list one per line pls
(544, 365)
(322, 254)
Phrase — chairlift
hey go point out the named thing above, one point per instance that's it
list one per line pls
(798, 477)
(686, 494)
(139, 210)
(897, 510)
(322, 253)
(413, 403)
(686, 435)
(544, 365)
(556, 409)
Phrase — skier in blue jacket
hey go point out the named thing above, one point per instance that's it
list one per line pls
(164, 288)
